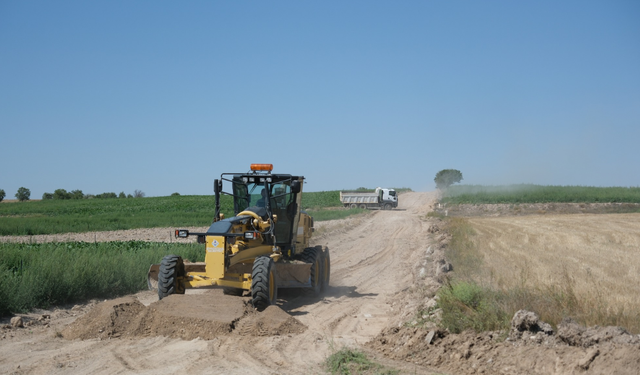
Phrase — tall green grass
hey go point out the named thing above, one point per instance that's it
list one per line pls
(42, 275)
(524, 193)
(86, 215)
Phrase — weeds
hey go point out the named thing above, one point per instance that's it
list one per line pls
(348, 361)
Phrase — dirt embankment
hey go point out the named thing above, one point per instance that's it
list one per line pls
(386, 269)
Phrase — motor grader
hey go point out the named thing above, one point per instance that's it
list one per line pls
(265, 246)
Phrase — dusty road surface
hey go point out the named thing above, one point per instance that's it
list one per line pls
(373, 260)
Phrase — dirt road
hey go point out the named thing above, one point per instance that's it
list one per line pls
(375, 260)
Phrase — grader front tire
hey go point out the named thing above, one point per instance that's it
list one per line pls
(171, 268)
(264, 288)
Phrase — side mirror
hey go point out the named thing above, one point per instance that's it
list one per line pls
(217, 186)
(295, 186)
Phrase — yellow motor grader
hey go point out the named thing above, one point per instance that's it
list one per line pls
(265, 246)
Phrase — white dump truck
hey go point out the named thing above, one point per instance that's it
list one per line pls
(384, 199)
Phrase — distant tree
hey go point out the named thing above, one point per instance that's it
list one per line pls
(47, 196)
(176, 194)
(76, 194)
(447, 177)
(129, 196)
(2, 195)
(122, 195)
(61, 194)
(23, 194)
(107, 195)
(138, 194)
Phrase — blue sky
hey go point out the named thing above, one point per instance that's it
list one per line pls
(164, 96)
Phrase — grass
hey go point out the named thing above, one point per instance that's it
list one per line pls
(584, 268)
(348, 361)
(527, 193)
(86, 215)
(42, 275)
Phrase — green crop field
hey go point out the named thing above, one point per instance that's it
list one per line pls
(41, 275)
(85, 215)
(479, 194)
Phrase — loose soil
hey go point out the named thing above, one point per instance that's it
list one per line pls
(386, 269)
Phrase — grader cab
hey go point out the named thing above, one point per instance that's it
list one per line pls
(265, 246)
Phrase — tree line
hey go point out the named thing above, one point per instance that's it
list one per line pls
(24, 194)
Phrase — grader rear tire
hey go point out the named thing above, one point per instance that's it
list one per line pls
(264, 288)
(326, 270)
(312, 255)
(171, 268)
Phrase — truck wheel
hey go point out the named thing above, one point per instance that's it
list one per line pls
(264, 288)
(387, 206)
(353, 205)
(171, 268)
(363, 206)
(311, 255)
(326, 270)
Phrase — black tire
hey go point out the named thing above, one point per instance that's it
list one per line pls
(353, 205)
(264, 286)
(232, 291)
(326, 270)
(363, 206)
(171, 268)
(312, 255)
(387, 206)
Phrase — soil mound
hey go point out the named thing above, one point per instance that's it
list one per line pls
(273, 321)
(531, 347)
(187, 317)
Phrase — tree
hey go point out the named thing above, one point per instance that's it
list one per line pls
(122, 195)
(2, 195)
(138, 194)
(107, 195)
(176, 194)
(23, 194)
(47, 196)
(77, 194)
(61, 194)
(447, 177)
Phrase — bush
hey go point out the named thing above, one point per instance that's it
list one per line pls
(176, 194)
(77, 194)
(122, 195)
(107, 195)
(61, 194)
(23, 194)
(2, 195)
(47, 196)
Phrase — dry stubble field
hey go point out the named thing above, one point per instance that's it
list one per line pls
(594, 256)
